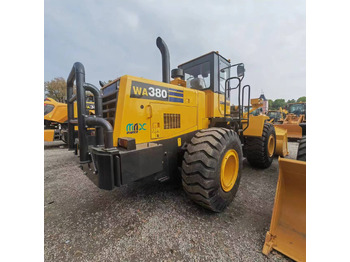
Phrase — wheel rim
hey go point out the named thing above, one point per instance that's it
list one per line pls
(229, 170)
(271, 145)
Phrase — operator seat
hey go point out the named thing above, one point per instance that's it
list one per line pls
(197, 83)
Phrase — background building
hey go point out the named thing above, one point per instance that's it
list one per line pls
(265, 106)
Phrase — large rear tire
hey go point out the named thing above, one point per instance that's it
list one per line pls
(261, 150)
(211, 168)
(302, 149)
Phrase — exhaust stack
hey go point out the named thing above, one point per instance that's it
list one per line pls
(165, 59)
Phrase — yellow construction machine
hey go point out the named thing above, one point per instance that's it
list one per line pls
(296, 116)
(287, 232)
(254, 112)
(277, 116)
(147, 128)
(281, 134)
(55, 119)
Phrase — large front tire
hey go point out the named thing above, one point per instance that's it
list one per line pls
(261, 150)
(211, 168)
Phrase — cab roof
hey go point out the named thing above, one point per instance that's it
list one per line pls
(212, 52)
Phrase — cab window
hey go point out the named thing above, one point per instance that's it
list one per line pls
(48, 108)
(297, 109)
(223, 74)
(198, 76)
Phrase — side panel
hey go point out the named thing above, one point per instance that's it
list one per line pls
(216, 104)
(174, 120)
(146, 108)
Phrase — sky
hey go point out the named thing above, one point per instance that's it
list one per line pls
(115, 38)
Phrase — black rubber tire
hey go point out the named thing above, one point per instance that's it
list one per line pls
(256, 148)
(302, 149)
(201, 167)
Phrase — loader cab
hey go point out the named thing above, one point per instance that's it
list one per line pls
(205, 72)
(297, 108)
(276, 115)
(209, 73)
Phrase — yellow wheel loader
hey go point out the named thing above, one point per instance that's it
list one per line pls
(281, 134)
(257, 111)
(276, 116)
(296, 116)
(147, 128)
(287, 232)
(55, 119)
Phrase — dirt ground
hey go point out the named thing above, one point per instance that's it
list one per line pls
(152, 221)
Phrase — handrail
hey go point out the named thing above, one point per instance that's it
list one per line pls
(98, 110)
(232, 88)
(240, 99)
(77, 74)
(248, 104)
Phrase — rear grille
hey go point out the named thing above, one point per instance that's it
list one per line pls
(171, 121)
(109, 102)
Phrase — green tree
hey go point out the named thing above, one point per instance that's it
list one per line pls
(56, 89)
(270, 102)
(291, 101)
(279, 103)
(302, 99)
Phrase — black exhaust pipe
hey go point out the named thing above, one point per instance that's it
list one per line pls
(165, 59)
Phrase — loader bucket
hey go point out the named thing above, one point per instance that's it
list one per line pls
(49, 135)
(288, 223)
(281, 142)
(293, 130)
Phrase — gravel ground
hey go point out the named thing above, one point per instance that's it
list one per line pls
(152, 221)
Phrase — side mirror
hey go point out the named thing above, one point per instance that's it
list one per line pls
(240, 70)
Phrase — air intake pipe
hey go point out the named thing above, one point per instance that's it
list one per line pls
(165, 59)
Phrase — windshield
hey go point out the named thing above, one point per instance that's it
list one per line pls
(198, 76)
(297, 109)
(273, 114)
(48, 108)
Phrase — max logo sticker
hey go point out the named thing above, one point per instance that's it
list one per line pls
(135, 128)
